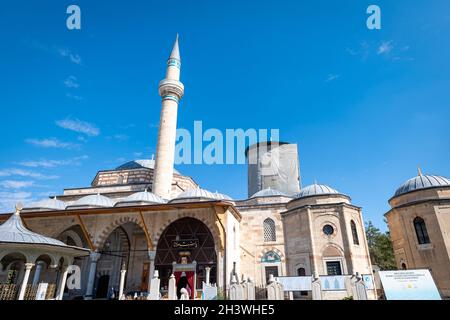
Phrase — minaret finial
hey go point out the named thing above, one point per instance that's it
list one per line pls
(419, 171)
(175, 54)
(19, 207)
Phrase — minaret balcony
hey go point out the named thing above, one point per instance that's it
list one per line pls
(171, 87)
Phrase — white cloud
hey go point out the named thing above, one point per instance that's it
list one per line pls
(71, 82)
(9, 199)
(74, 96)
(385, 47)
(331, 77)
(137, 154)
(73, 57)
(51, 143)
(55, 50)
(119, 137)
(25, 173)
(13, 184)
(44, 163)
(79, 126)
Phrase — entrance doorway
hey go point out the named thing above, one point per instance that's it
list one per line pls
(186, 242)
(269, 271)
(102, 287)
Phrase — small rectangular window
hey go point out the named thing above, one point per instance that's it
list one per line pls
(334, 268)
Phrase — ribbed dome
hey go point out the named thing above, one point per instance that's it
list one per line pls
(221, 196)
(268, 193)
(51, 204)
(422, 182)
(196, 193)
(96, 200)
(13, 230)
(144, 196)
(315, 190)
(139, 164)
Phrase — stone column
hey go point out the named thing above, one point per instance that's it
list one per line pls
(23, 287)
(37, 273)
(123, 272)
(94, 256)
(208, 271)
(151, 267)
(62, 283)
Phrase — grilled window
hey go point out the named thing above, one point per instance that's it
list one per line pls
(269, 230)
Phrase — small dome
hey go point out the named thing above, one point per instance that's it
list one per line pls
(422, 182)
(95, 200)
(13, 230)
(144, 196)
(51, 204)
(197, 193)
(268, 193)
(139, 164)
(315, 190)
(221, 196)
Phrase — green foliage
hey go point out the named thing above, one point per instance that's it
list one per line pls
(380, 247)
(348, 298)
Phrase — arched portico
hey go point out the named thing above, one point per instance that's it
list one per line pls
(124, 248)
(186, 247)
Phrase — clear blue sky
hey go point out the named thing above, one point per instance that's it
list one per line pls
(365, 107)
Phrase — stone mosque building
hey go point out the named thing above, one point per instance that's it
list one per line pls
(145, 216)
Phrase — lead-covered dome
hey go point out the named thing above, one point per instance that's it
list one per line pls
(13, 231)
(269, 192)
(221, 196)
(422, 182)
(199, 194)
(315, 190)
(95, 200)
(46, 204)
(144, 197)
(139, 164)
(195, 194)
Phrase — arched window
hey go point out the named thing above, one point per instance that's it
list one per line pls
(404, 266)
(354, 232)
(302, 272)
(421, 230)
(269, 230)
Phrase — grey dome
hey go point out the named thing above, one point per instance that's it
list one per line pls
(315, 190)
(268, 193)
(13, 230)
(196, 193)
(144, 196)
(51, 204)
(221, 196)
(139, 164)
(422, 182)
(95, 200)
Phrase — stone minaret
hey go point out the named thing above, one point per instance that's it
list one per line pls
(171, 90)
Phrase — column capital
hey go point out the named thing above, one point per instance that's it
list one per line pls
(151, 254)
(94, 256)
(29, 265)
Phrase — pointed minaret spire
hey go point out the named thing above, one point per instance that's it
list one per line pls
(175, 50)
(419, 170)
(171, 90)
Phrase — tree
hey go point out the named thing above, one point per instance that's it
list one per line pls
(380, 247)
